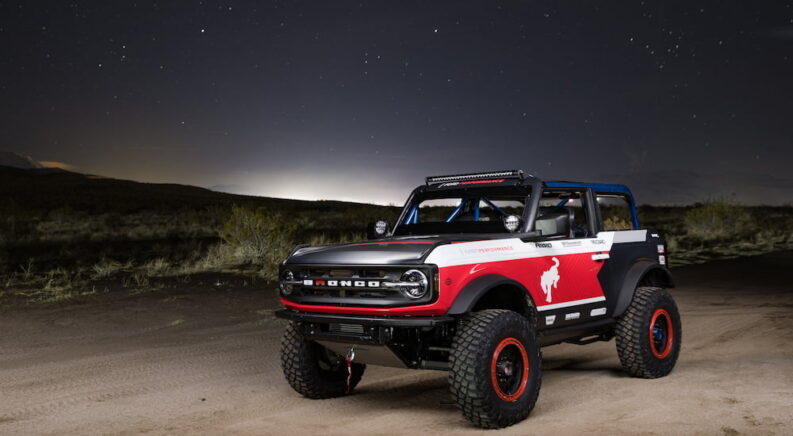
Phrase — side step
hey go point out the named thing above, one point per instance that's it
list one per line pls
(603, 337)
(434, 364)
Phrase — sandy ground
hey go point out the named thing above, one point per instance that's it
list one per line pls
(206, 361)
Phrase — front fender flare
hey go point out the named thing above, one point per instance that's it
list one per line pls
(477, 288)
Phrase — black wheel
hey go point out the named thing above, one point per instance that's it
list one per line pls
(649, 334)
(314, 371)
(495, 368)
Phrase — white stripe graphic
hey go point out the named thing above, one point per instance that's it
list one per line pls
(630, 236)
(496, 250)
(570, 303)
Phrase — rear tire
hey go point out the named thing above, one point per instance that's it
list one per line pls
(314, 371)
(495, 368)
(649, 334)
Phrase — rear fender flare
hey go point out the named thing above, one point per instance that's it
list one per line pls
(634, 277)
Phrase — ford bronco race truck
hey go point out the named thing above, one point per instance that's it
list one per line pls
(478, 273)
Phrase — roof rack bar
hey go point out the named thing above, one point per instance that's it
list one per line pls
(507, 174)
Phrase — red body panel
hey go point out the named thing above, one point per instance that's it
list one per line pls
(577, 281)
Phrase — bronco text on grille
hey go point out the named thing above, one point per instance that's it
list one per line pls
(381, 287)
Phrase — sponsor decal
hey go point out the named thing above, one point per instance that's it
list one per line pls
(597, 312)
(550, 319)
(662, 260)
(485, 250)
(543, 245)
(574, 315)
(597, 241)
(661, 249)
(654, 235)
(571, 243)
(550, 279)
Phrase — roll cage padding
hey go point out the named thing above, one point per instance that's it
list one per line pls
(474, 291)
(634, 277)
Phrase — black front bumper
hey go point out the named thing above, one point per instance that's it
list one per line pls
(380, 340)
(379, 321)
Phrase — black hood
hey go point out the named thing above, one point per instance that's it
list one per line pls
(380, 252)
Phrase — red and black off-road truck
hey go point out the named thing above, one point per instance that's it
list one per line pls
(478, 273)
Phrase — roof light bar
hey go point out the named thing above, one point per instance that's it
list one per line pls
(508, 174)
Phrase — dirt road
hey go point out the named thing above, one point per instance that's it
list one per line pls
(206, 361)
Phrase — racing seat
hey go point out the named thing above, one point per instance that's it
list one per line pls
(555, 221)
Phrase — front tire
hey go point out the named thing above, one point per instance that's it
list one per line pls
(649, 334)
(314, 371)
(496, 369)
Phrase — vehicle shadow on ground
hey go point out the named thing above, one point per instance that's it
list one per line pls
(430, 391)
(581, 364)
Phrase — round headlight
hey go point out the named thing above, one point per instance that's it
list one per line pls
(511, 223)
(418, 281)
(287, 276)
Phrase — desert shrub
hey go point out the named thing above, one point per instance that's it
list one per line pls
(323, 239)
(259, 236)
(718, 219)
(156, 267)
(107, 268)
(616, 223)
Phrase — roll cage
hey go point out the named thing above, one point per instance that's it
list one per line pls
(482, 186)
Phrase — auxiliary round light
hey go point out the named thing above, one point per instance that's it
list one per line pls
(511, 223)
(380, 227)
(421, 284)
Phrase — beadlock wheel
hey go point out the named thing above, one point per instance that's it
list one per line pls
(509, 369)
(495, 368)
(649, 334)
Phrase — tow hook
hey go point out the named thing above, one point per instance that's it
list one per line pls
(350, 356)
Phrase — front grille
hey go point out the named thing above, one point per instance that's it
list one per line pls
(354, 286)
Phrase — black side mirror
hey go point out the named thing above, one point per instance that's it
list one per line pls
(377, 230)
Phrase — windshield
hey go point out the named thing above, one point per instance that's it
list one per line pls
(466, 212)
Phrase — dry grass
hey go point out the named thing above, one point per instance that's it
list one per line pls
(65, 253)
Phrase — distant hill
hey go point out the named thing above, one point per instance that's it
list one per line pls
(16, 160)
(46, 189)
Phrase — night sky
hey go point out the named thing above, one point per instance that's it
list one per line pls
(684, 101)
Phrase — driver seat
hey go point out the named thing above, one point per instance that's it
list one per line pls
(555, 221)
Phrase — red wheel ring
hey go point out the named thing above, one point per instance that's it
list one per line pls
(494, 369)
(667, 331)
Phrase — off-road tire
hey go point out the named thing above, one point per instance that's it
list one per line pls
(638, 354)
(479, 336)
(307, 372)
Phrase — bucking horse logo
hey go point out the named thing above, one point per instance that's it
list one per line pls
(549, 279)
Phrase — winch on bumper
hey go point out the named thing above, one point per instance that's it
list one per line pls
(386, 341)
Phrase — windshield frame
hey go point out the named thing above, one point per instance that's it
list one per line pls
(420, 194)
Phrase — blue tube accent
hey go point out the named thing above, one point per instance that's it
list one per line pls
(605, 189)
(476, 209)
(413, 211)
(456, 211)
(563, 202)
(496, 208)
